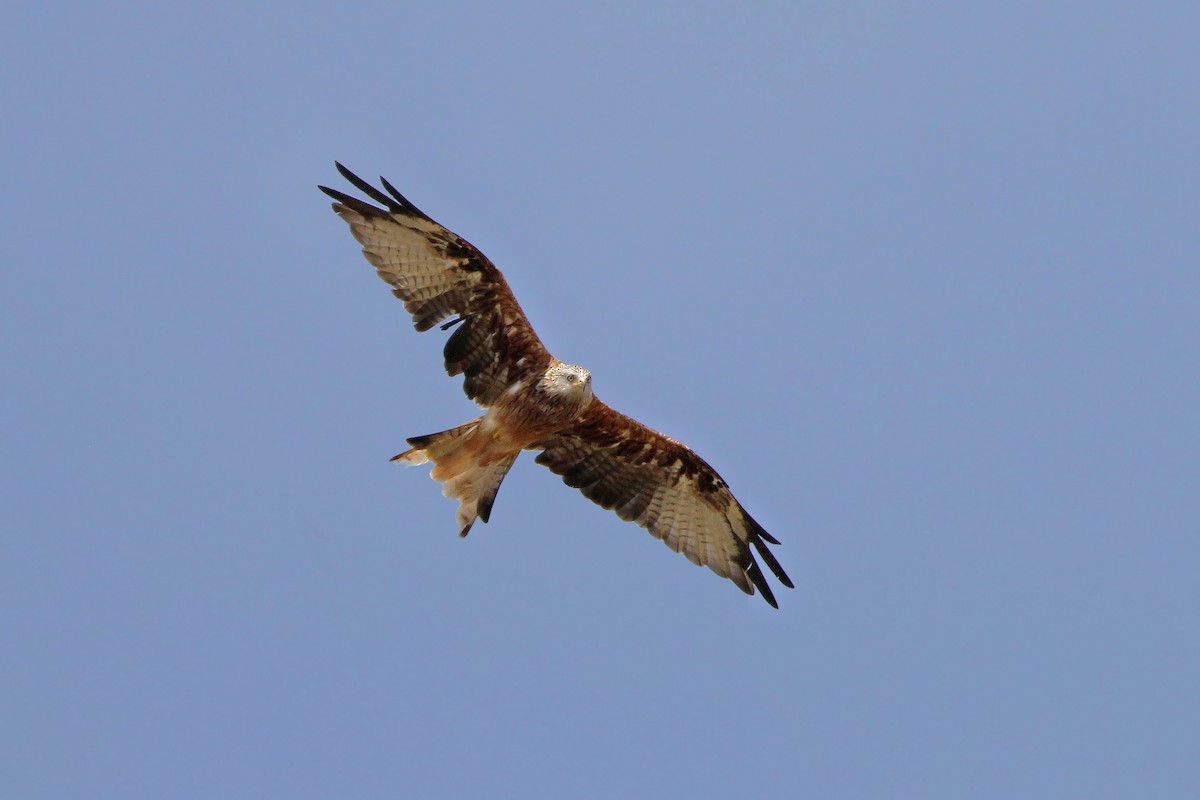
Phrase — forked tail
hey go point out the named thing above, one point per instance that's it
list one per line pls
(468, 467)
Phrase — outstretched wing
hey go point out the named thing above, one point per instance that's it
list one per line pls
(439, 275)
(662, 485)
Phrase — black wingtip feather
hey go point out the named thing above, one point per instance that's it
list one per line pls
(368, 189)
(405, 203)
(758, 530)
(771, 562)
(766, 537)
(759, 538)
(755, 573)
(353, 203)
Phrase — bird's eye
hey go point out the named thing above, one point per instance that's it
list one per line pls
(571, 377)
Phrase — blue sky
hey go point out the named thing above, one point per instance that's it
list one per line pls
(920, 280)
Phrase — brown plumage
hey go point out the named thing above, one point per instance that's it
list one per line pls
(536, 402)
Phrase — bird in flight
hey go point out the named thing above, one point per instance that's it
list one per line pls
(536, 402)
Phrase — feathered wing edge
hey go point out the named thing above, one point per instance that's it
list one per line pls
(664, 487)
(439, 276)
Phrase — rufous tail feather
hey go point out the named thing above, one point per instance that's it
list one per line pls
(467, 466)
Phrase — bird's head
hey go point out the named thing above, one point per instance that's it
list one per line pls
(569, 383)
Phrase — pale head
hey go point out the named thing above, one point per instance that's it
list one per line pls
(568, 383)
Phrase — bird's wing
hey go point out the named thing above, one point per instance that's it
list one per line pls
(439, 275)
(659, 483)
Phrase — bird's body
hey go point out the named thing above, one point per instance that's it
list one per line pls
(533, 401)
(472, 459)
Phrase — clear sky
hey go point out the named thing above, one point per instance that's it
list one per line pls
(919, 279)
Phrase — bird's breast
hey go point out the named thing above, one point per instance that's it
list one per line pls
(521, 416)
